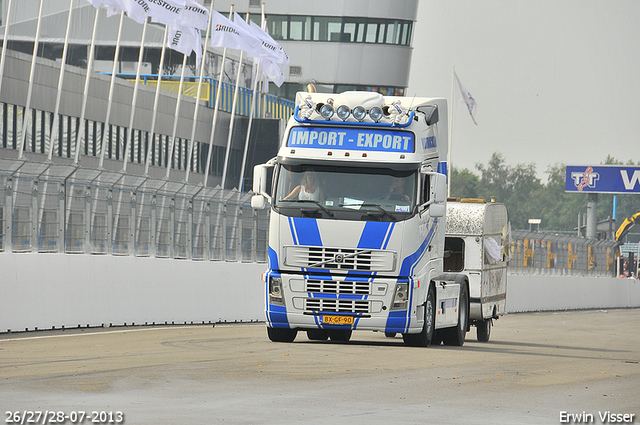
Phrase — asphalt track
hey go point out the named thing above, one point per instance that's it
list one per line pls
(535, 367)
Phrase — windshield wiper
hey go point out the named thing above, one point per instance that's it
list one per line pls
(329, 213)
(384, 212)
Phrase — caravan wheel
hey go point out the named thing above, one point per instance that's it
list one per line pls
(483, 329)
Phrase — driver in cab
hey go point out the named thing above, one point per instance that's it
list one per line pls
(396, 190)
(308, 189)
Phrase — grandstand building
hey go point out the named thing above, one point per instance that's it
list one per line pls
(336, 44)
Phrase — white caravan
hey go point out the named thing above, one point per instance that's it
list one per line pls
(477, 244)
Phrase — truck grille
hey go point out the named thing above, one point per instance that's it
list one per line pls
(336, 306)
(339, 258)
(337, 287)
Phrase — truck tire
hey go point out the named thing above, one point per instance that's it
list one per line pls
(342, 335)
(455, 336)
(424, 338)
(317, 334)
(437, 337)
(281, 334)
(483, 329)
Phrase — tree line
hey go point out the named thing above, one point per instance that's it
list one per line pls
(526, 196)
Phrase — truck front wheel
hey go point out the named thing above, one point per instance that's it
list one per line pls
(317, 334)
(456, 335)
(342, 335)
(424, 338)
(281, 334)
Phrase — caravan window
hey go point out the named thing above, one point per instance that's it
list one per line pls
(453, 254)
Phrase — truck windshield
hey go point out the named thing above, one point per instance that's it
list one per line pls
(356, 193)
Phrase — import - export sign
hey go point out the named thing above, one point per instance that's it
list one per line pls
(603, 179)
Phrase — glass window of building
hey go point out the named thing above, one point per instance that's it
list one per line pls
(394, 31)
(355, 27)
(278, 27)
(325, 26)
(338, 29)
(373, 29)
(406, 33)
(300, 28)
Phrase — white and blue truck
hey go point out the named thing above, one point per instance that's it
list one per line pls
(358, 198)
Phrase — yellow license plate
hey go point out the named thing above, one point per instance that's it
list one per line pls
(338, 320)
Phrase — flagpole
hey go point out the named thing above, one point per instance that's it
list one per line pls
(450, 153)
(111, 88)
(233, 114)
(175, 117)
(26, 113)
(215, 117)
(5, 42)
(251, 113)
(195, 113)
(129, 139)
(87, 79)
(56, 112)
(55, 125)
(156, 101)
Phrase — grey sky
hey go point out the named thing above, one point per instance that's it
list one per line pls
(555, 81)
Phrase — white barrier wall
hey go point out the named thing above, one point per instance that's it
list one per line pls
(547, 293)
(42, 291)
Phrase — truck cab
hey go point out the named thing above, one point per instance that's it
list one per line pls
(357, 221)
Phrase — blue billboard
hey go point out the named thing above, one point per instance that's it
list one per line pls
(360, 139)
(603, 179)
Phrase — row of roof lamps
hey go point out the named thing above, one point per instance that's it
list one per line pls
(327, 111)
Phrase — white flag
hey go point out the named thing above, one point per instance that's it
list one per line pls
(273, 50)
(134, 10)
(194, 15)
(273, 72)
(225, 33)
(270, 52)
(184, 36)
(263, 80)
(185, 40)
(466, 97)
(113, 6)
(162, 11)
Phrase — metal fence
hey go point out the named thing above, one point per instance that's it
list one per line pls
(544, 254)
(67, 209)
(267, 105)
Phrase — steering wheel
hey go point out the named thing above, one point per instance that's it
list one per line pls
(393, 196)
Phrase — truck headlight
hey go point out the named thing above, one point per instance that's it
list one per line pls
(326, 110)
(401, 296)
(359, 113)
(343, 112)
(275, 291)
(375, 113)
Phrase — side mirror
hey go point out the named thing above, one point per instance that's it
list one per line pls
(437, 210)
(259, 178)
(257, 202)
(438, 188)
